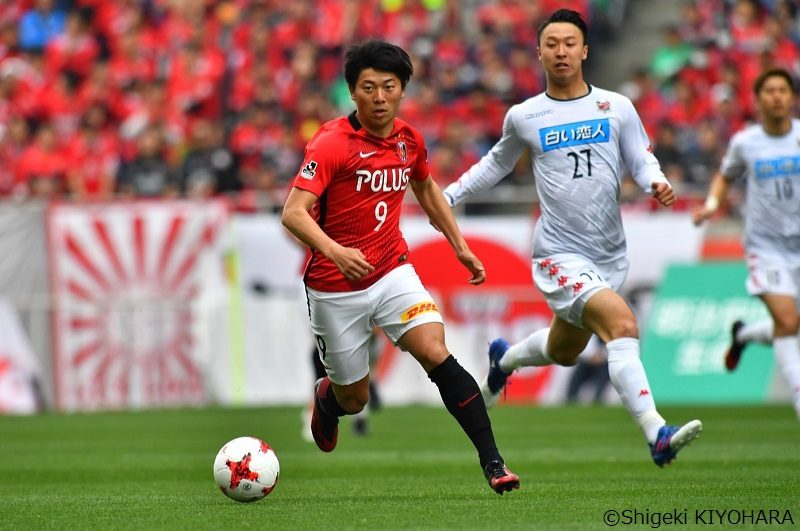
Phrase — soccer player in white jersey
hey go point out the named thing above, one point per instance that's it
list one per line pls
(580, 138)
(767, 155)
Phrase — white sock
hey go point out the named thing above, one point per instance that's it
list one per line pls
(787, 354)
(530, 352)
(760, 332)
(627, 375)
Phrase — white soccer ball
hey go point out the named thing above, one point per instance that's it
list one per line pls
(246, 469)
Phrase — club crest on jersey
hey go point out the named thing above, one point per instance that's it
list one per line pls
(402, 152)
(603, 106)
(309, 170)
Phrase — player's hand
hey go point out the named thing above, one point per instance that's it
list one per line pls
(351, 262)
(663, 193)
(700, 215)
(475, 267)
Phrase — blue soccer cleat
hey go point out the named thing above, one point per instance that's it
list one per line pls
(496, 379)
(671, 439)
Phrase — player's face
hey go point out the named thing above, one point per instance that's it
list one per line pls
(377, 96)
(562, 52)
(775, 99)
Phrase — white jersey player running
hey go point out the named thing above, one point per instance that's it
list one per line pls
(767, 155)
(581, 138)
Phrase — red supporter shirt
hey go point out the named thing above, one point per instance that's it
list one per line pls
(360, 180)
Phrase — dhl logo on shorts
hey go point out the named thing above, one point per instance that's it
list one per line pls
(418, 309)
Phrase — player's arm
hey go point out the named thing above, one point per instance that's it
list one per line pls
(296, 218)
(430, 198)
(488, 171)
(636, 152)
(717, 193)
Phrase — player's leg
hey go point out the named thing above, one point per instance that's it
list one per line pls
(461, 397)
(375, 346)
(551, 276)
(319, 372)
(411, 320)
(562, 339)
(608, 315)
(342, 328)
(767, 274)
(783, 309)
(361, 419)
(742, 334)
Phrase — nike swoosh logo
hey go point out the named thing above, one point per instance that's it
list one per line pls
(468, 400)
(365, 155)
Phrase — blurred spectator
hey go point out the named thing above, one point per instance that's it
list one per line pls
(703, 157)
(696, 28)
(746, 27)
(42, 167)
(671, 55)
(41, 24)
(264, 74)
(685, 108)
(9, 37)
(667, 151)
(93, 157)
(193, 85)
(13, 142)
(132, 61)
(208, 166)
(648, 100)
(253, 136)
(148, 174)
(73, 51)
(727, 115)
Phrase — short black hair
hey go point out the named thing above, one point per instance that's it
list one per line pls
(564, 15)
(773, 72)
(379, 55)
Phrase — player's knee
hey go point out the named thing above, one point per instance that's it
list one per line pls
(565, 357)
(432, 353)
(623, 328)
(787, 325)
(354, 402)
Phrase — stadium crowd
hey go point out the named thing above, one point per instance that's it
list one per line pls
(166, 98)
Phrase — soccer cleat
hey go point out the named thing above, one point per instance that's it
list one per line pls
(324, 427)
(671, 439)
(734, 353)
(500, 478)
(496, 379)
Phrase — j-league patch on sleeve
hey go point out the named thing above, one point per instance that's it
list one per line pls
(309, 170)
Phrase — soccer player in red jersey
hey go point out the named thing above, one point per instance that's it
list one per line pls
(345, 205)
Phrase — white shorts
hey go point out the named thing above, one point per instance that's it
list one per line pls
(342, 322)
(567, 281)
(772, 274)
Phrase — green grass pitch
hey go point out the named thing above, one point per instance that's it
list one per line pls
(416, 470)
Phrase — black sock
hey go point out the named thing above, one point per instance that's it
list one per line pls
(462, 397)
(329, 405)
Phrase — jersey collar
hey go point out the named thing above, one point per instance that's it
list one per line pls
(571, 99)
(354, 121)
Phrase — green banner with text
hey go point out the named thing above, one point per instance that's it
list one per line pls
(688, 332)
